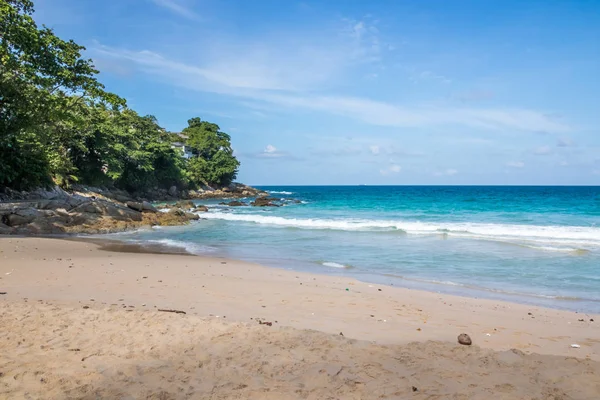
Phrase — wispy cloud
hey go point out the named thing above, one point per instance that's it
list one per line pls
(515, 164)
(392, 169)
(565, 142)
(447, 172)
(268, 75)
(426, 75)
(177, 7)
(542, 151)
(270, 152)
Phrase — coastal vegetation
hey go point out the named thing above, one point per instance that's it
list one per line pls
(60, 126)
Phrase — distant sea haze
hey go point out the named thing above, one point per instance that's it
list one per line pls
(538, 245)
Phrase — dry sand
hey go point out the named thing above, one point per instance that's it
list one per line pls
(80, 322)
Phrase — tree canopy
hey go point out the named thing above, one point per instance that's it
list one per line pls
(214, 161)
(58, 123)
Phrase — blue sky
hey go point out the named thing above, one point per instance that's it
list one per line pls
(355, 92)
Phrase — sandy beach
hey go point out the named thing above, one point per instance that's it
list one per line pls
(80, 321)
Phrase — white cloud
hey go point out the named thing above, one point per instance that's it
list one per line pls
(448, 172)
(269, 75)
(429, 75)
(392, 169)
(542, 151)
(374, 149)
(177, 7)
(515, 164)
(270, 149)
(565, 142)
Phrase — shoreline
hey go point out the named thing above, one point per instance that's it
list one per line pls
(458, 290)
(238, 290)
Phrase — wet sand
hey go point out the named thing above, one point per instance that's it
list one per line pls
(67, 300)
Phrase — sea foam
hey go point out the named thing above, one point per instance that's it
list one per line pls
(578, 236)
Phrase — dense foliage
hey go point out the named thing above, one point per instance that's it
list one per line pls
(58, 123)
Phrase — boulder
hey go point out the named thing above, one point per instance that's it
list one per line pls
(464, 339)
(236, 203)
(185, 204)
(263, 202)
(146, 206)
(121, 213)
(76, 200)
(52, 204)
(191, 216)
(45, 226)
(89, 207)
(177, 212)
(22, 216)
(134, 205)
(16, 220)
(5, 229)
(201, 209)
(83, 218)
(173, 191)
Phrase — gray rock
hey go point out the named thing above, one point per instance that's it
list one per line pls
(16, 220)
(52, 204)
(185, 204)
(5, 229)
(173, 191)
(263, 202)
(201, 209)
(134, 205)
(121, 213)
(146, 206)
(464, 339)
(192, 216)
(89, 207)
(236, 204)
(177, 211)
(22, 216)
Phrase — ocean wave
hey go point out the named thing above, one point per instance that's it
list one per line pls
(576, 237)
(189, 247)
(335, 265)
(280, 192)
(507, 292)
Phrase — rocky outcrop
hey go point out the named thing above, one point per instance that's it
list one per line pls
(141, 206)
(264, 202)
(235, 190)
(61, 212)
(86, 209)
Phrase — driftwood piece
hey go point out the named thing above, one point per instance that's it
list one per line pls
(173, 311)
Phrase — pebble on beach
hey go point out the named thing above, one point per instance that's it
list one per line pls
(464, 339)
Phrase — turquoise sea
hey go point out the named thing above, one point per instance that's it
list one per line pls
(538, 245)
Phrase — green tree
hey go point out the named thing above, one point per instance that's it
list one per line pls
(214, 163)
(57, 121)
(42, 78)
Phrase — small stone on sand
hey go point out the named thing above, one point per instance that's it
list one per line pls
(464, 339)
